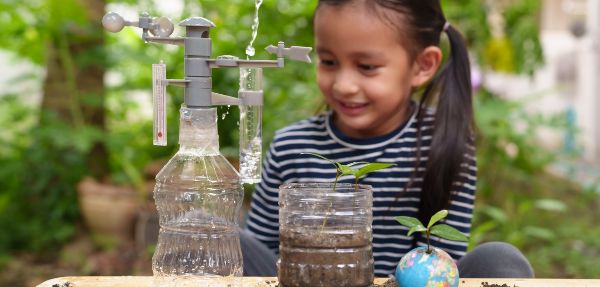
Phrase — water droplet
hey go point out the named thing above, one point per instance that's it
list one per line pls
(250, 51)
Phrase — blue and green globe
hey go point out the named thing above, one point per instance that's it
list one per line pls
(419, 269)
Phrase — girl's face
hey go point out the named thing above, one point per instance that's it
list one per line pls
(364, 73)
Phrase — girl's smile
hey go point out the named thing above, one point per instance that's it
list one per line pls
(351, 109)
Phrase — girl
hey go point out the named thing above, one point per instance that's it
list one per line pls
(373, 56)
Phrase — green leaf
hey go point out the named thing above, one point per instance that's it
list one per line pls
(344, 169)
(416, 228)
(357, 162)
(551, 205)
(319, 156)
(539, 232)
(495, 214)
(371, 167)
(347, 169)
(448, 232)
(408, 221)
(437, 217)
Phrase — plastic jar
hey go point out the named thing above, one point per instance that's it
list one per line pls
(325, 235)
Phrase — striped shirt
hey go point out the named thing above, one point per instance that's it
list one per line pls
(285, 164)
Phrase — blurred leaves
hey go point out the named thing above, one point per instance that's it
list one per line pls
(499, 55)
(522, 28)
(41, 163)
(34, 22)
(517, 49)
(519, 202)
(46, 154)
(34, 204)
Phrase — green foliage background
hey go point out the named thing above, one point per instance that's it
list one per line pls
(515, 200)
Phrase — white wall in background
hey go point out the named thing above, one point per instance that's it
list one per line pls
(570, 76)
(20, 77)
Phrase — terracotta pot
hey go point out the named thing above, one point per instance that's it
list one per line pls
(146, 227)
(107, 209)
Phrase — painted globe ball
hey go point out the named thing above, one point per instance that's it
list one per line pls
(421, 269)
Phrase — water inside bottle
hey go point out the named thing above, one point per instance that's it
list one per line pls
(198, 251)
(250, 144)
(250, 125)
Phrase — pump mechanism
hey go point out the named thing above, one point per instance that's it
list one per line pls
(197, 45)
(198, 81)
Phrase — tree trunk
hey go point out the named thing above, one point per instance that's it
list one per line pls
(73, 89)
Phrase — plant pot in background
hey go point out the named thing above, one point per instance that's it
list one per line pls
(325, 235)
(108, 210)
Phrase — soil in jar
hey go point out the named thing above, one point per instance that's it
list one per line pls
(325, 258)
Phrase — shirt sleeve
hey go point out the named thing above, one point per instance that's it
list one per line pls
(263, 216)
(460, 210)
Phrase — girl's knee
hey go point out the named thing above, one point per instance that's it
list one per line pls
(495, 260)
(496, 247)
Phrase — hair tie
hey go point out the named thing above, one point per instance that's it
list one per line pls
(446, 26)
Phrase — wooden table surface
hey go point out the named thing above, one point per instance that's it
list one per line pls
(146, 281)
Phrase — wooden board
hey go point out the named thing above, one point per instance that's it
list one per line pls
(146, 281)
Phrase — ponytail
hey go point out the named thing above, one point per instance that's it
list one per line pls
(452, 129)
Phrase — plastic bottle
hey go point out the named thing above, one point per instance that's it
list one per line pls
(198, 196)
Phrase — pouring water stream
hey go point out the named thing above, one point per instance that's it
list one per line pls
(250, 49)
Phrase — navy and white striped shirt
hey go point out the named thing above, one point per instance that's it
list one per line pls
(285, 164)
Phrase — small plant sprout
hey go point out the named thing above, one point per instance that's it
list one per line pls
(442, 230)
(350, 169)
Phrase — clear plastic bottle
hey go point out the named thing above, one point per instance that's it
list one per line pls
(198, 195)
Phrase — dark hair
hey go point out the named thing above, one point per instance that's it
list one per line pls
(423, 22)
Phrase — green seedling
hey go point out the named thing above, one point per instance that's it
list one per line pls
(442, 230)
(350, 169)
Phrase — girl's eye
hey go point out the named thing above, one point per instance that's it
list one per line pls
(367, 67)
(327, 62)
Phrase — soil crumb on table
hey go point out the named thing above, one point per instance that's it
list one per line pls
(274, 283)
(269, 283)
(392, 283)
(389, 283)
(485, 284)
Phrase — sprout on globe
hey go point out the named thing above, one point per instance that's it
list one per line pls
(428, 266)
